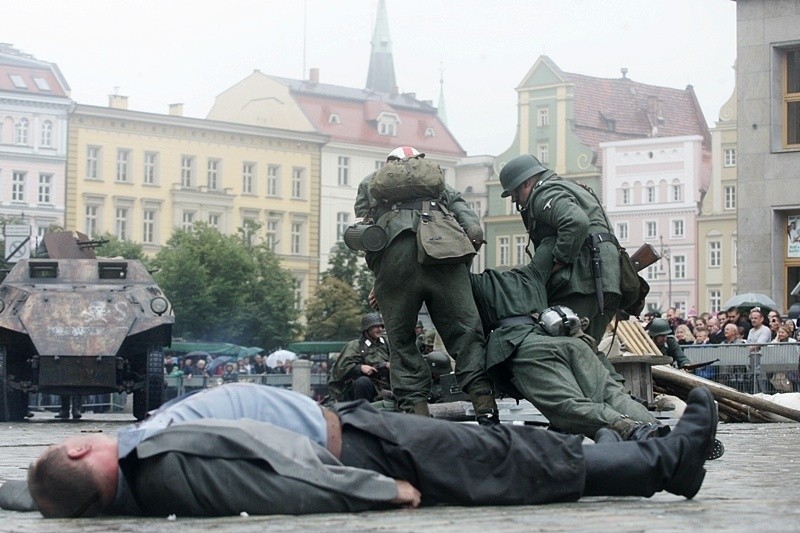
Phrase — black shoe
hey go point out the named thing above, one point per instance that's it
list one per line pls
(63, 415)
(77, 416)
(694, 435)
(649, 430)
(716, 450)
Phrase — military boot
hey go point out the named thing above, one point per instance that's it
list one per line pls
(486, 413)
(673, 463)
(421, 408)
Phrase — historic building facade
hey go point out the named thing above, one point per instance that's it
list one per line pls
(139, 176)
(768, 156)
(34, 109)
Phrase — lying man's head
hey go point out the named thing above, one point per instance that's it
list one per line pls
(77, 477)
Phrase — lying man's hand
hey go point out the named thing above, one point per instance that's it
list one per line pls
(407, 495)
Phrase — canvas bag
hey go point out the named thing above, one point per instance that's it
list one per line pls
(406, 179)
(440, 238)
(630, 284)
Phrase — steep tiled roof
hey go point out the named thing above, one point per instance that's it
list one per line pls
(28, 69)
(619, 109)
(358, 109)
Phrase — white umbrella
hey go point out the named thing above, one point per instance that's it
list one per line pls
(280, 355)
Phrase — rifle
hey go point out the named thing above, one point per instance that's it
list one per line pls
(695, 366)
(644, 256)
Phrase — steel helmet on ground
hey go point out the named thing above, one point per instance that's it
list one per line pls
(439, 363)
(659, 326)
(516, 171)
(404, 152)
(369, 320)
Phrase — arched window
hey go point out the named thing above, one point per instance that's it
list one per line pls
(47, 134)
(21, 131)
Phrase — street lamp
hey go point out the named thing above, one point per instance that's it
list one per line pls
(665, 253)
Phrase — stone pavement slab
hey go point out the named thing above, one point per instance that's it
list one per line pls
(753, 487)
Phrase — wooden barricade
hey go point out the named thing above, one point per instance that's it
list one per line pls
(642, 355)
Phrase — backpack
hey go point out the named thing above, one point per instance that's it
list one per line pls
(407, 179)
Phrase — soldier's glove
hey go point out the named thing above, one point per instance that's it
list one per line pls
(475, 234)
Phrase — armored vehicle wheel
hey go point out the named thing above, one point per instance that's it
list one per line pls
(13, 403)
(151, 396)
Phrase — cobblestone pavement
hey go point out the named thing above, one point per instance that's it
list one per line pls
(753, 487)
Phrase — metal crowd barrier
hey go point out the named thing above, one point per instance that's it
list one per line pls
(750, 368)
(99, 403)
(177, 385)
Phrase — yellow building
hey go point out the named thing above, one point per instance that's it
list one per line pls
(141, 175)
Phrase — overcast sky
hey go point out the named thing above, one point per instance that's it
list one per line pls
(171, 51)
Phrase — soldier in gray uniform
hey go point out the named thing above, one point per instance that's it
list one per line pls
(557, 374)
(402, 285)
(566, 221)
(362, 368)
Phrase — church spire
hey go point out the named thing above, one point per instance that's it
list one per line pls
(441, 111)
(380, 77)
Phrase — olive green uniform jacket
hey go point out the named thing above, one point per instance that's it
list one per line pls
(559, 375)
(360, 351)
(559, 216)
(402, 285)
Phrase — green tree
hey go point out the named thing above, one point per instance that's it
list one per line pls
(225, 290)
(119, 248)
(333, 312)
(349, 266)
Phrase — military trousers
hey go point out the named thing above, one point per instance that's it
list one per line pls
(402, 285)
(562, 378)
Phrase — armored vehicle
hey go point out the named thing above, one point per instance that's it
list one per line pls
(75, 324)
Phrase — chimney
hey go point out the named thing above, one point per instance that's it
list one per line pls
(313, 76)
(117, 101)
(176, 110)
(624, 71)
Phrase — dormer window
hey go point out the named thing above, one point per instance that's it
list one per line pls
(387, 124)
(18, 82)
(42, 84)
(429, 132)
(333, 118)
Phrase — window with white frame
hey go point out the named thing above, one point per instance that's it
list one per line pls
(520, 243)
(18, 186)
(430, 132)
(342, 222)
(714, 254)
(150, 168)
(45, 188)
(90, 225)
(41, 84)
(273, 179)
(123, 159)
(625, 195)
(650, 229)
(187, 220)
(729, 157)
(714, 300)
(343, 171)
(679, 267)
(730, 196)
(475, 205)
(92, 162)
(651, 272)
(272, 232)
(676, 192)
(121, 223)
(21, 131)
(379, 164)
(18, 81)
(387, 125)
(214, 220)
(542, 116)
(296, 238)
(333, 118)
(46, 139)
(650, 193)
(544, 152)
(212, 174)
(149, 226)
(248, 178)
(622, 231)
(678, 228)
(298, 185)
(503, 251)
(790, 92)
(187, 171)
